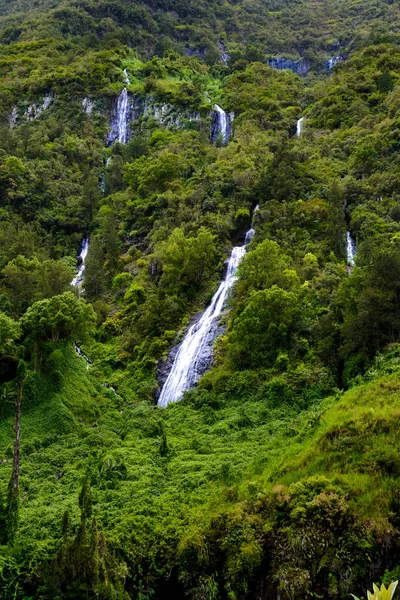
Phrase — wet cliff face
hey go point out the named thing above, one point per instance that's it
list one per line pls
(301, 67)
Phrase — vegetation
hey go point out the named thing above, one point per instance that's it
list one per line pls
(278, 474)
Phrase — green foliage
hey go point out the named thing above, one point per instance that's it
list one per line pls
(62, 318)
(265, 480)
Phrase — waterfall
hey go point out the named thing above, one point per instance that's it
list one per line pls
(195, 353)
(351, 249)
(78, 279)
(83, 355)
(127, 80)
(123, 116)
(224, 55)
(103, 175)
(221, 125)
(120, 116)
(332, 62)
(120, 122)
(300, 126)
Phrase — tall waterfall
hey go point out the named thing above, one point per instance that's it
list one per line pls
(300, 126)
(123, 116)
(195, 353)
(221, 124)
(78, 279)
(350, 249)
(119, 131)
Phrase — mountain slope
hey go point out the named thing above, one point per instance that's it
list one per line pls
(276, 476)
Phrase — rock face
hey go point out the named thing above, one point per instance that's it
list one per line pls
(34, 110)
(13, 117)
(195, 52)
(87, 105)
(224, 55)
(301, 67)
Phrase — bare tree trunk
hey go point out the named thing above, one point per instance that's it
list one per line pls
(17, 445)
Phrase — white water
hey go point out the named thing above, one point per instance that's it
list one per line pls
(196, 347)
(332, 62)
(127, 80)
(351, 249)
(80, 353)
(300, 127)
(122, 117)
(222, 125)
(78, 279)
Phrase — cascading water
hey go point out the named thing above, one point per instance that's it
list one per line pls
(119, 131)
(221, 125)
(82, 355)
(300, 126)
(78, 282)
(122, 117)
(127, 80)
(351, 249)
(195, 353)
(78, 279)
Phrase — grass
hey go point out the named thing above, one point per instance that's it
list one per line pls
(221, 451)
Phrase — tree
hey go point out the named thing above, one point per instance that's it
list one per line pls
(94, 273)
(10, 332)
(267, 326)
(186, 261)
(61, 318)
(263, 267)
(336, 225)
(370, 300)
(111, 243)
(28, 279)
(83, 565)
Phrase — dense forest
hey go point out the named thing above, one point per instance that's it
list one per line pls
(140, 142)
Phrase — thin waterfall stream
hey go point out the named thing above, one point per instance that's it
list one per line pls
(300, 126)
(222, 125)
(350, 249)
(196, 347)
(79, 277)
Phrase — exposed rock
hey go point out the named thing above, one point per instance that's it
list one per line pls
(87, 105)
(13, 117)
(195, 52)
(33, 111)
(204, 362)
(224, 55)
(125, 110)
(301, 67)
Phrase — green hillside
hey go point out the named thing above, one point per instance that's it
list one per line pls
(277, 475)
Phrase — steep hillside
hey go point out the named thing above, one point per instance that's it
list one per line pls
(296, 29)
(158, 136)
